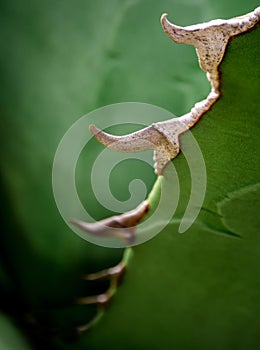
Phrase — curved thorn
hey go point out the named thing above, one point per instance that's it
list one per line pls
(178, 34)
(145, 139)
(162, 137)
(121, 226)
(210, 39)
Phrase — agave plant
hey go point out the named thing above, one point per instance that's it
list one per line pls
(199, 289)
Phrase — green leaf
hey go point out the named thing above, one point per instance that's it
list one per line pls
(201, 289)
(11, 338)
(59, 61)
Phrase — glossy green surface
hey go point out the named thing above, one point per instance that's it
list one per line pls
(61, 60)
(201, 288)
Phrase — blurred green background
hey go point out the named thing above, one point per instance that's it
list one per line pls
(60, 60)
